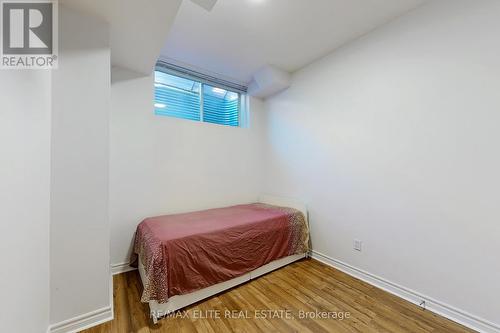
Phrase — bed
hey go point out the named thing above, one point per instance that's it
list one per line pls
(184, 258)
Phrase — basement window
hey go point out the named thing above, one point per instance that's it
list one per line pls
(182, 93)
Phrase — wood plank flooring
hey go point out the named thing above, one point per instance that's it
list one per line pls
(278, 302)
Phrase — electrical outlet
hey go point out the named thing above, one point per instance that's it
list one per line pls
(358, 244)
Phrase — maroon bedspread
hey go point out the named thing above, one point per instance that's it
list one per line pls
(183, 253)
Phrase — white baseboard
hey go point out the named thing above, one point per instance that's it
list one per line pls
(84, 321)
(121, 268)
(440, 308)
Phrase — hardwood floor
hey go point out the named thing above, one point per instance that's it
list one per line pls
(278, 302)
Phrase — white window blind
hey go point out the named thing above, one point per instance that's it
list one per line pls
(189, 95)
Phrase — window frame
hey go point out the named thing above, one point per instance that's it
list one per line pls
(206, 80)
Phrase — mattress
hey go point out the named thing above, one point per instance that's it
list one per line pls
(183, 253)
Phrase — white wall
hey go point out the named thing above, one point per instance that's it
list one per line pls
(24, 198)
(393, 139)
(160, 165)
(79, 247)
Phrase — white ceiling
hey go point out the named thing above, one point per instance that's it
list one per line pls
(137, 29)
(238, 37)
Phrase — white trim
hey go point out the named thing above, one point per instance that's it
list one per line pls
(87, 320)
(121, 268)
(438, 307)
(111, 296)
(83, 322)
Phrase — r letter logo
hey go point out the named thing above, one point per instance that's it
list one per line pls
(29, 34)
